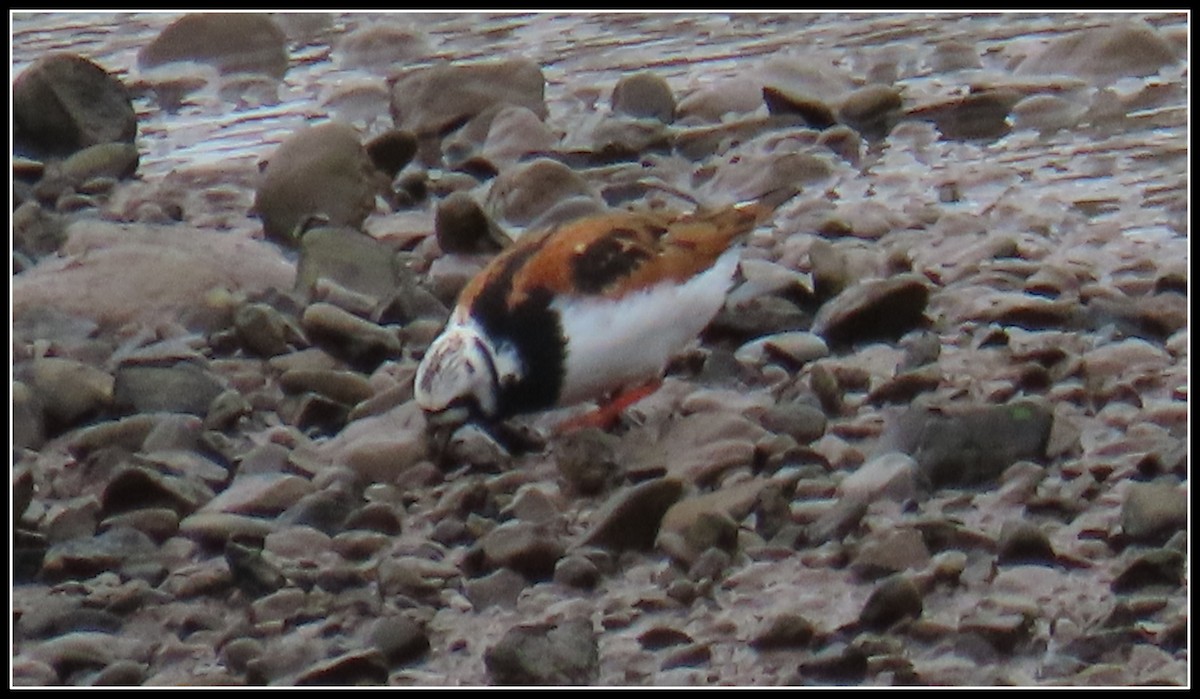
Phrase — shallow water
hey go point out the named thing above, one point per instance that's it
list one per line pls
(583, 54)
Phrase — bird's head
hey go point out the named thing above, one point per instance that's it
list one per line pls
(457, 380)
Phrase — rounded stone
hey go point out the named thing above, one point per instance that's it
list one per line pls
(70, 390)
(391, 151)
(895, 598)
(644, 95)
(321, 171)
(231, 42)
(566, 653)
(1127, 47)
(431, 100)
(784, 631)
(882, 308)
(461, 226)
(399, 638)
(523, 194)
(631, 517)
(871, 110)
(63, 103)
(184, 387)
(349, 258)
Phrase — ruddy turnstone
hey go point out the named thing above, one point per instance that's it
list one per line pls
(583, 311)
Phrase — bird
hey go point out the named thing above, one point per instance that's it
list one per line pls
(589, 310)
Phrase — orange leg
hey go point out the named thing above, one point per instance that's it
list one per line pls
(607, 413)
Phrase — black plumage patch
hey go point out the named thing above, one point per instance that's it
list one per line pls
(534, 330)
(607, 260)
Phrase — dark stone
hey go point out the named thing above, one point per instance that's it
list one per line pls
(29, 553)
(122, 673)
(566, 653)
(375, 516)
(184, 387)
(692, 655)
(63, 103)
(586, 460)
(979, 115)
(391, 151)
(871, 110)
(1109, 645)
(1153, 512)
(662, 637)
(356, 668)
(905, 386)
(1003, 632)
(324, 510)
(785, 631)
(320, 415)
(1158, 567)
(350, 258)
(1124, 48)
(138, 487)
(523, 547)
(756, 317)
(319, 172)
(881, 309)
(800, 421)
(231, 42)
(400, 639)
(895, 598)
(576, 571)
(815, 113)
(57, 621)
(252, 574)
(972, 445)
(838, 521)
(461, 226)
(1024, 542)
(82, 558)
(437, 100)
(630, 518)
(644, 95)
(500, 588)
(838, 663)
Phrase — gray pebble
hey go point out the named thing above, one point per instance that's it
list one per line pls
(576, 571)
(1157, 568)
(64, 102)
(400, 639)
(499, 588)
(784, 631)
(523, 547)
(1152, 512)
(565, 653)
(184, 387)
(875, 309)
(238, 653)
(644, 95)
(630, 518)
(356, 667)
(895, 598)
(1023, 542)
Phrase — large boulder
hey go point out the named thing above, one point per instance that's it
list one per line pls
(230, 42)
(63, 103)
(321, 171)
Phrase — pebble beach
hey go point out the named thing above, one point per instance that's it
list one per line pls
(937, 436)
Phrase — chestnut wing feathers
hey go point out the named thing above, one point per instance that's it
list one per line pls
(613, 255)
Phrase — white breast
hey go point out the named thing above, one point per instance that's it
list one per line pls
(611, 344)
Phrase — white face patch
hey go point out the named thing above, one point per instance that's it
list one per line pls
(615, 343)
(459, 365)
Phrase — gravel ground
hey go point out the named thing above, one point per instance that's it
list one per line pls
(938, 435)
